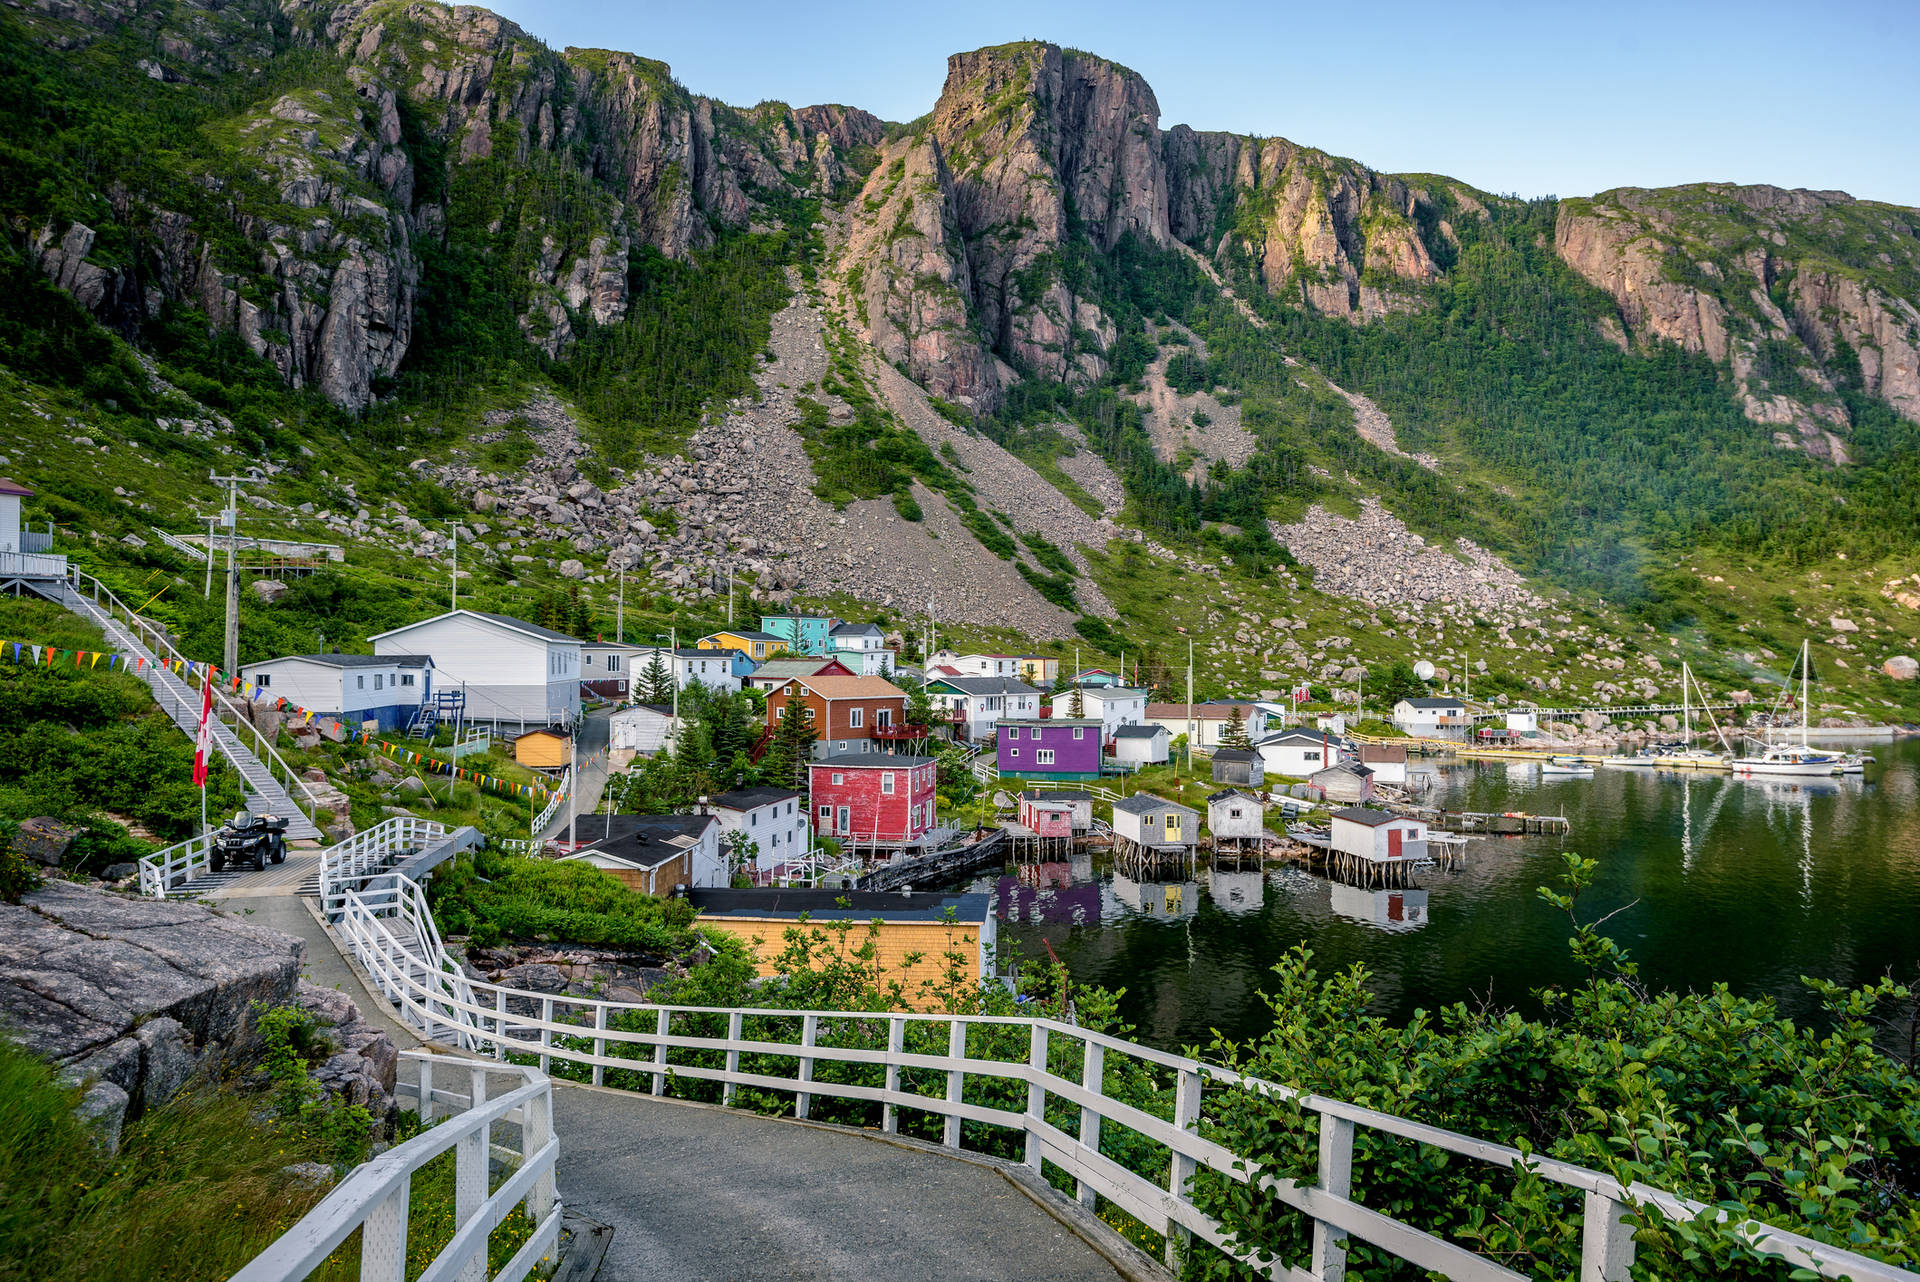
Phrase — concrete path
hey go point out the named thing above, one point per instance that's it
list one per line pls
(325, 966)
(708, 1195)
(591, 781)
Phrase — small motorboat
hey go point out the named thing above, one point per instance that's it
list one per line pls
(1566, 768)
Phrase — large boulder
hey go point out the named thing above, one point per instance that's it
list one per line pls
(45, 840)
(131, 996)
(1901, 667)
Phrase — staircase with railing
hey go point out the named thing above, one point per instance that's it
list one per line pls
(1070, 1120)
(276, 787)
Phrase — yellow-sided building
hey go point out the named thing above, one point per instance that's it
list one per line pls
(913, 934)
(758, 646)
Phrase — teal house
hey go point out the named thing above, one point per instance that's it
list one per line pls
(803, 633)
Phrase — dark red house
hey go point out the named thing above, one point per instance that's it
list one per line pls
(874, 798)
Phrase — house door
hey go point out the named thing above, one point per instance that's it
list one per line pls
(1394, 836)
(843, 822)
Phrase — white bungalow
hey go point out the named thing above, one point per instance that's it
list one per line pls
(1116, 706)
(1234, 817)
(1388, 761)
(510, 670)
(1430, 715)
(773, 819)
(975, 705)
(1376, 835)
(1297, 754)
(387, 690)
(862, 647)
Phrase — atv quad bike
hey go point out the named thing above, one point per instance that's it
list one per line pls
(249, 838)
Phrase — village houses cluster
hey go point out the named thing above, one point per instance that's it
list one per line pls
(871, 782)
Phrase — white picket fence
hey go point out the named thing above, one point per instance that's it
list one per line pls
(392, 936)
(348, 865)
(374, 1196)
(560, 796)
(174, 867)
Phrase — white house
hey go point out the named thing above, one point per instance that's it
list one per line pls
(608, 668)
(509, 669)
(1377, 835)
(1116, 706)
(1298, 753)
(1396, 909)
(1523, 720)
(1209, 721)
(773, 819)
(1430, 715)
(11, 492)
(654, 853)
(862, 647)
(386, 689)
(975, 705)
(641, 727)
(976, 665)
(1141, 745)
(715, 669)
(1147, 820)
(1388, 761)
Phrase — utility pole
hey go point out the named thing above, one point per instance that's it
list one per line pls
(207, 592)
(453, 599)
(1191, 731)
(230, 652)
(620, 607)
(730, 596)
(573, 793)
(673, 670)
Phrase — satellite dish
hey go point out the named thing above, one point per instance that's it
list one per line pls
(1423, 670)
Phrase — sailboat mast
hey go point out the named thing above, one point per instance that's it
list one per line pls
(1806, 659)
(1686, 705)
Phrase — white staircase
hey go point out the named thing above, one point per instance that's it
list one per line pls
(181, 702)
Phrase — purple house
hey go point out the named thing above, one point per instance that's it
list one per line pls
(1052, 749)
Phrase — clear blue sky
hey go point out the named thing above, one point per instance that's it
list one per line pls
(1538, 98)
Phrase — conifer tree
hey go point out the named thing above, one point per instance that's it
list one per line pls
(1234, 734)
(791, 748)
(656, 682)
(1076, 704)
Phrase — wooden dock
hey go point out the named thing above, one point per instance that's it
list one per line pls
(937, 866)
(1507, 824)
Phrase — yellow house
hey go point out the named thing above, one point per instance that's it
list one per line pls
(758, 646)
(1039, 670)
(920, 941)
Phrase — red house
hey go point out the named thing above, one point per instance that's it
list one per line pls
(874, 798)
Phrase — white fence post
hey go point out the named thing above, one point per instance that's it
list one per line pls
(383, 1239)
(660, 1055)
(1329, 1260)
(1186, 1116)
(599, 1043)
(426, 1091)
(1606, 1240)
(896, 1047)
(1093, 1071)
(809, 1034)
(736, 1028)
(470, 1181)
(1036, 1093)
(546, 1034)
(956, 1080)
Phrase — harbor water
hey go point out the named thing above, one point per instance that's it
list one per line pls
(1751, 883)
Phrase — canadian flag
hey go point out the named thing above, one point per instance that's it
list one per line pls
(1301, 694)
(203, 743)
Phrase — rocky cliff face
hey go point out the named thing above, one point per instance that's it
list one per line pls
(429, 115)
(1772, 284)
(1328, 232)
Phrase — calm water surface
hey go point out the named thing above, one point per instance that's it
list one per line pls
(1751, 883)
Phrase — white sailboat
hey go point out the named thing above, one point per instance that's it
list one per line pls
(1690, 757)
(1794, 759)
(1565, 768)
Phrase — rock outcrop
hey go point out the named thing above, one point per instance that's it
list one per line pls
(1752, 278)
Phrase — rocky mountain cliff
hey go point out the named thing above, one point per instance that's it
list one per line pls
(1773, 284)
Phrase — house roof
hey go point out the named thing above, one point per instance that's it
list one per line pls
(1050, 721)
(787, 669)
(547, 731)
(1383, 752)
(646, 841)
(614, 645)
(986, 685)
(854, 630)
(837, 687)
(1433, 703)
(753, 798)
(657, 709)
(1104, 692)
(1201, 711)
(503, 620)
(1315, 737)
(10, 486)
(1141, 803)
(1235, 754)
(1141, 732)
(790, 618)
(873, 761)
(1231, 794)
(1346, 767)
(349, 661)
(831, 905)
(1055, 794)
(705, 652)
(1365, 815)
(745, 634)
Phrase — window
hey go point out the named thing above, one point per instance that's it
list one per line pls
(1013, 752)
(886, 782)
(779, 714)
(360, 683)
(826, 813)
(588, 660)
(613, 663)
(406, 678)
(838, 777)
(1079, 732)
(1173, 824)
(855, 718)
(1234, 813)
(1043, 756)
(263, 680)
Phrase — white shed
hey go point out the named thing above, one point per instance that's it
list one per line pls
(1235, 816)
(644, 727)
(509, 669)
(1376, 835)
(386, 689)
(1154, 822)
(1297, 754)
(1388, 761)
(1146, 744)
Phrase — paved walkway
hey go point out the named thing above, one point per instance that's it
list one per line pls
(708, 1195)
(591, 780)
(325, 966)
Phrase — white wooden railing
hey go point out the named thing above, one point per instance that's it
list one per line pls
(391, 936)
(32, 565)
(374, 1196)
(365, 855)
(175, 866)
(553, 807)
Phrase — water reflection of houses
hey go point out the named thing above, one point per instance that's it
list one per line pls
(1394, 909)
(1237, 891)
(1162, 900)
(1060, 892)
